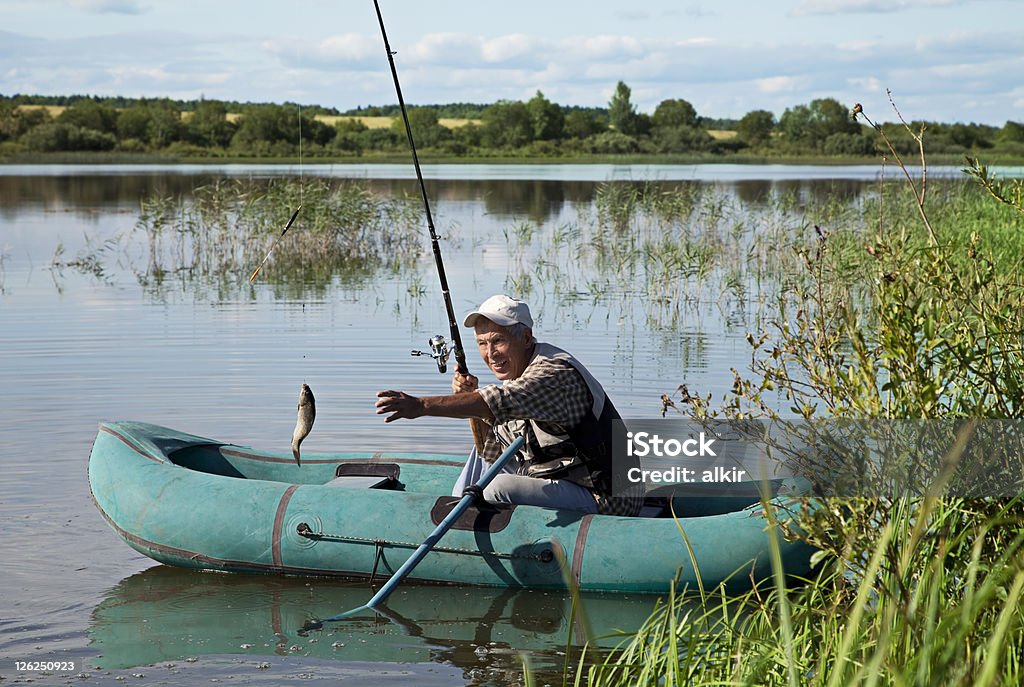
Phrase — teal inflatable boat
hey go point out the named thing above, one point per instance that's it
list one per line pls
(194, 502)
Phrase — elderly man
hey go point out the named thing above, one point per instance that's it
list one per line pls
(546, 394)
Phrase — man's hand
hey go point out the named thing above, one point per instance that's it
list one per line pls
(463, 383)
(400, 404)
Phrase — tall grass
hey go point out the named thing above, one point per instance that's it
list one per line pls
(222, 231)
(908, 305)
(925, 606)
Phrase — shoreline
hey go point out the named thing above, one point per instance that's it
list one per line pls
(428, 158)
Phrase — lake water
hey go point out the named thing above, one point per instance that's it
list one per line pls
(78, 346)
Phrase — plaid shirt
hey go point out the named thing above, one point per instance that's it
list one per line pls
(555, 396)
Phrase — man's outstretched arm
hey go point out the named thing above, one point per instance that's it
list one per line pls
(399, 405)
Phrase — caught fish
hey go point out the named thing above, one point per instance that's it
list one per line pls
(304, 421)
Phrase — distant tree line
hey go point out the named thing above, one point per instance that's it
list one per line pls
(536, 127)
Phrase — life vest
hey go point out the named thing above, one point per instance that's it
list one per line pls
(583, 453)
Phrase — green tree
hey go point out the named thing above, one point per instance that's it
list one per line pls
(681, 139)
(165, 125)
(348, 136)
(382, 139)
(675, 112)
(507, 124)
(583, 123)
(848, 144)
(426, 130)
(969, 136)
(276, 129)
(810, 125)
(621, 112)
(468, 135)
(62, 136)
(209, 125)
(308, 127)
(547, 118)
(15, 121)
(89, 114)
(612, 143)
(1012, 131)
(755, 128)
(268, 124)
(133, 123)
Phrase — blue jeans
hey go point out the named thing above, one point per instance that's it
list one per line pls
(508, 487)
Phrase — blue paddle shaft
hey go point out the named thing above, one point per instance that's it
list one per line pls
(436, 535)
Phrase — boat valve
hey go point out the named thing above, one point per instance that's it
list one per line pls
(439, 351)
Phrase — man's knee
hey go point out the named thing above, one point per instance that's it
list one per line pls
(531, 491)
(504, 489)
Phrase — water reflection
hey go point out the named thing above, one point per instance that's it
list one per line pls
(537, 200)
(85, 193)
(169, 614)
(759, 192)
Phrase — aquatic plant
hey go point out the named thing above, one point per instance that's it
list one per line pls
(3, 271)
(91, 259)
(222, 231)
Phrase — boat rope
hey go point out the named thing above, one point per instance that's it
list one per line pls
(304, 530)
(377, 558)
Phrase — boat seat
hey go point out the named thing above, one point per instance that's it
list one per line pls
(366, 476)
(359, 482)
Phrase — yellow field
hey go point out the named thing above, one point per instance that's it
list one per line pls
(721, 134)
(385, 122)
(54, 110)
(370, 122)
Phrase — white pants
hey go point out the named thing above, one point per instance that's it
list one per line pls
(508, 487)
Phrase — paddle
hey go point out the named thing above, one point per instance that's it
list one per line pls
(435, 536)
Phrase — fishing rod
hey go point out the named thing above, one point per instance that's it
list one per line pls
(439, 350)
(276, 241)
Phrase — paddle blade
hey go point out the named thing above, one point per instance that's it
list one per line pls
(348, 614)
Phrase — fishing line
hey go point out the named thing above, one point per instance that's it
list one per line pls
(301, 181)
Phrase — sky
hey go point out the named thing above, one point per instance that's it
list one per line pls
(942, 60)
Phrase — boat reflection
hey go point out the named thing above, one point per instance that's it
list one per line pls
(171, 614)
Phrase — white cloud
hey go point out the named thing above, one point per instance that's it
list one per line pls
(507, 48)
(603, 47)
(779, 84)
(348, 47)
(812, 7)
(134, 77)
(109, 6)
(442, 48)
(867, 84)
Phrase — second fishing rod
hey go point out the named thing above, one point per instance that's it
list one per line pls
(439, 350)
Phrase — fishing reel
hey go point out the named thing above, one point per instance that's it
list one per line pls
(439, 351)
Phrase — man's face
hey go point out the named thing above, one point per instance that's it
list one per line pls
(506, 355)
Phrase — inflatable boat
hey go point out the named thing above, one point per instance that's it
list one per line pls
(195, 502)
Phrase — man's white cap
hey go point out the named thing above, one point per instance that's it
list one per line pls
(501, 310)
